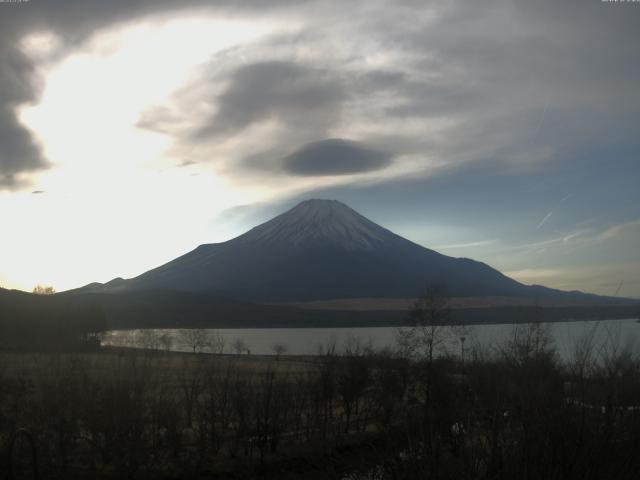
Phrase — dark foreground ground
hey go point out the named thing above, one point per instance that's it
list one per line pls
(515, 412)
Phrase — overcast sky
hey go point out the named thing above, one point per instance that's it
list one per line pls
(505, 131)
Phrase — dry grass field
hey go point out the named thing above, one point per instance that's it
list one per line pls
(403, 304)
(171, 364)
(513, 412)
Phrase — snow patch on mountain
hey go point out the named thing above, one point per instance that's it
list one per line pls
(321, 223)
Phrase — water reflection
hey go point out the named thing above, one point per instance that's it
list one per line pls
(568, 338)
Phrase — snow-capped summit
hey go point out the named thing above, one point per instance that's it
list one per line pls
(320, 223)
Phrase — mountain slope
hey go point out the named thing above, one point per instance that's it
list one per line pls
(321, 249)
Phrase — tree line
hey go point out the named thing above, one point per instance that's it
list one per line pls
(419, 411)
(513, 412)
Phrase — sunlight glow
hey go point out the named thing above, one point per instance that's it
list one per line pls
(114, 202)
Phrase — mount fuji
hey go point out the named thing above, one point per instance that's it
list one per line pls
(321, 250)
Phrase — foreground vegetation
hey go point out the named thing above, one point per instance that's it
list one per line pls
(514, 411)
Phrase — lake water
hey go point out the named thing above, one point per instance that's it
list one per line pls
(310, 341)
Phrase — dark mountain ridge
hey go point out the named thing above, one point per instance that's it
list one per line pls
(322, 249)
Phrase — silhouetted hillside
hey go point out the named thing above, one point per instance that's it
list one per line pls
(48, 321)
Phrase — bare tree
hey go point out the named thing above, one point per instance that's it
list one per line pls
(194, 338)
(239, 346)
(430, 315)
(217, 342)
(166, 341)
(529, 342)
(148, 339)
(356, 346)
(431, 318)
(44, 290)
(279, 349)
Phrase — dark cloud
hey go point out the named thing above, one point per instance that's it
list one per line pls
(73, 21)
(516, 81)
(511, 81)
(294, 94)
(335, 156)
(18, 151)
